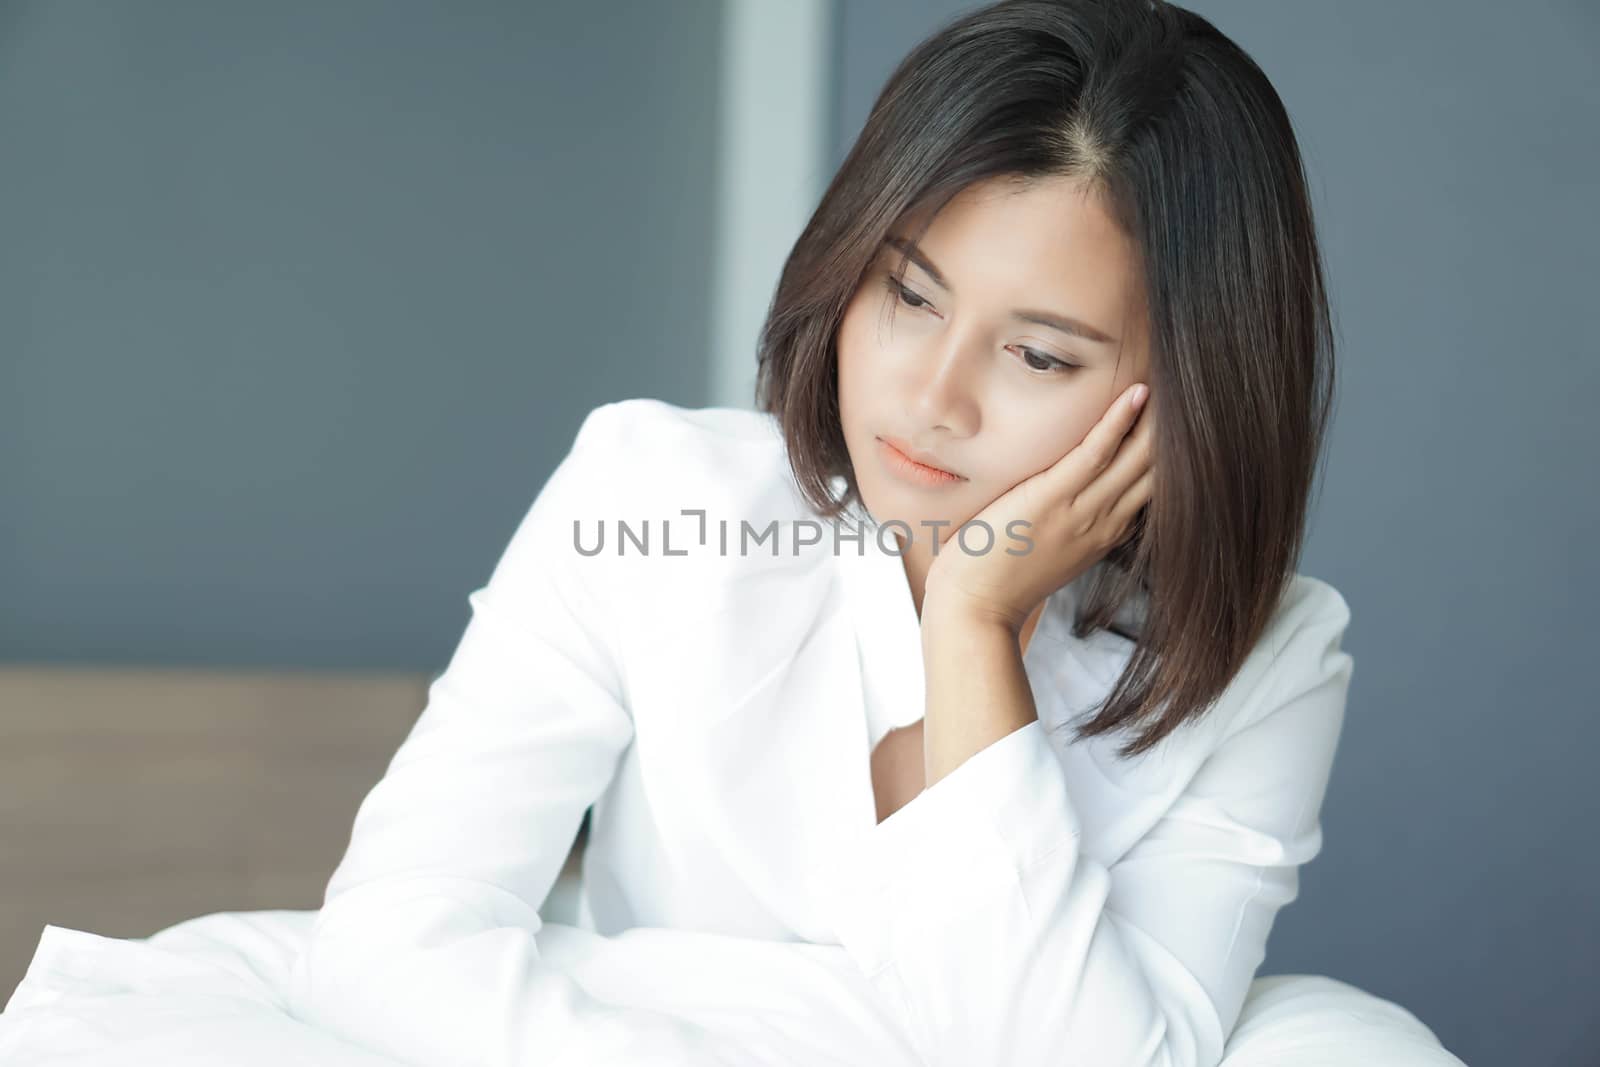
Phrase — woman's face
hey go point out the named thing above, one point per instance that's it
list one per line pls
(965, 376)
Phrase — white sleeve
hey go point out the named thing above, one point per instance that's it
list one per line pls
(973, 909)
(426, 945)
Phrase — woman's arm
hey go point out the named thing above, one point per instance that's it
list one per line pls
(429, 947)
(977, 911)
(898, 772)
(977, 688)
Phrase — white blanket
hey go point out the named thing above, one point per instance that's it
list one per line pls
(208, 991)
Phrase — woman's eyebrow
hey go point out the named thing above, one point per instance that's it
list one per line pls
(1064, 323)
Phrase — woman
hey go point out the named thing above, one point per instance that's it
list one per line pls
(1017, 698)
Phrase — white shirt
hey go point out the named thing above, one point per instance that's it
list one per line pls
(1046, 902)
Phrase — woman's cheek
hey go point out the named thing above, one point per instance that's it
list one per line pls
(1042, 450)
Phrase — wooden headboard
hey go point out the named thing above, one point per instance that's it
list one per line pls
(135, 798)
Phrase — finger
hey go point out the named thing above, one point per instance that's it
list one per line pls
(1132, 458)
(1080, 466)
(1133, 498)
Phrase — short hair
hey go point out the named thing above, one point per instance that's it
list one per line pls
(1194, 155)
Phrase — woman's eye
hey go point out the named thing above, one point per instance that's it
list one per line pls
(1036, 361)
(1047, 364)
(906, 296)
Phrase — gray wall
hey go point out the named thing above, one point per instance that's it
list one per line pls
(300, 303)
(1453, 150)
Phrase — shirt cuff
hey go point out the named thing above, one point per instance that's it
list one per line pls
(951, 848)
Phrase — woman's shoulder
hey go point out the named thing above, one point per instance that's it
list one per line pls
(639, 422)
(688, 497)
(645, 443)
(1301, 651)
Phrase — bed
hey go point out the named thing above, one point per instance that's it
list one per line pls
(168, 833)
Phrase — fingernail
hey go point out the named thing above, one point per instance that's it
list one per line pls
(1140, 392)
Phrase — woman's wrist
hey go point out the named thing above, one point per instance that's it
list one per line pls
(942, 617)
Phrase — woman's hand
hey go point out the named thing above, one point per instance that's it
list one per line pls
(1078, 509)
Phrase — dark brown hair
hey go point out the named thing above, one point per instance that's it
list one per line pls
(1194, 153)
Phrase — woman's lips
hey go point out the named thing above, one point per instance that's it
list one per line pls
(909, 470)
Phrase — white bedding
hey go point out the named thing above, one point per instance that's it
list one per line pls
(208, 991)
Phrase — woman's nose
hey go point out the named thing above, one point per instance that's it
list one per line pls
(945, 394)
